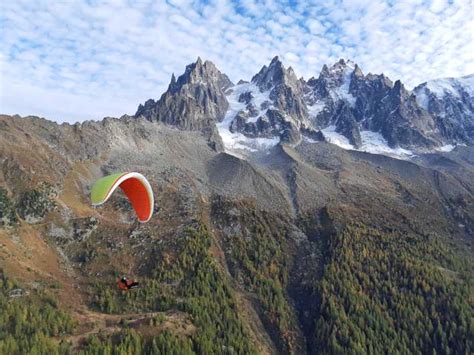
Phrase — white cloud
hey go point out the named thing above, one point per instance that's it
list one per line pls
(291, 57)
(79, 60)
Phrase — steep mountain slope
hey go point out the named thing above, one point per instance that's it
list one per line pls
(353, 110)
(451, 101)
(274, 242)
(193, 101)
(269, 220)
(196, 101)
(345, 98)
(270, 108)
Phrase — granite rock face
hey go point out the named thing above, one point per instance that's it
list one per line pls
(272, 104)
(451, 103)
(285, 89)
(194, 101)
(277, 105)
(342, 96)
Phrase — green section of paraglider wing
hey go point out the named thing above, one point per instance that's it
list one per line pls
(102, 187)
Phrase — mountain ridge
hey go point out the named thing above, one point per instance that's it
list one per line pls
(286, 108)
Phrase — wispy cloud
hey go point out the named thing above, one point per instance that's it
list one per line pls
(72, 60)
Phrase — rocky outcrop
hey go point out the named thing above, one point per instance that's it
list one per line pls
(402, 122)
(342, 96)
(36, 203)
(285, 89)
(194, 101)
(451, 103)
(7, 211)
(271, 105)
(347, 125)
(277, 105)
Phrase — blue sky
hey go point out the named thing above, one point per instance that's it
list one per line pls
(71, 60)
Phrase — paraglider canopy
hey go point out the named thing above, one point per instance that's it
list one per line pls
(135, 186)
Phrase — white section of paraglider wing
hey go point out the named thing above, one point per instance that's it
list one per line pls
(116, 184)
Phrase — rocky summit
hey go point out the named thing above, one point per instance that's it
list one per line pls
(291, 216)
(342, 105)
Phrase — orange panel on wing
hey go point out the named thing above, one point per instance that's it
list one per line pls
(138, 196)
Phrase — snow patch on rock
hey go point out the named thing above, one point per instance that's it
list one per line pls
(375, 143)
(236, 140)
(372, 142)
(443, 87)
(315, 109)
(341, 92)
(446, 148)
(338, 139)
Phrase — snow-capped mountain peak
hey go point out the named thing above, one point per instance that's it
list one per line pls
(275, 74)
(455, 87)
(332, 86)
(341, 104)
(451, 102)
(341, 67)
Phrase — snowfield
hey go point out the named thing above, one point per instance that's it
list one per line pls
(236, 140)
(372, 142)
(442, 87)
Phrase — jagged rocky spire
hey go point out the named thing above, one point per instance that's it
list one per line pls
(194, 101)
(277, 103)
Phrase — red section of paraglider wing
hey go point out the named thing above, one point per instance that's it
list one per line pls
(138, 196)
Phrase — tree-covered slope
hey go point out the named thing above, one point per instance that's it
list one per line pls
(305, 249)
(389, 292)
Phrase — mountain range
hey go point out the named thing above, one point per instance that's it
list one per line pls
(328, 215)
(341, 105)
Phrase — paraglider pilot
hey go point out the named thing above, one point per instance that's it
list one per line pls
(126, 285)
